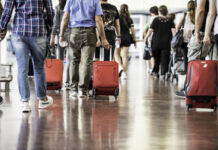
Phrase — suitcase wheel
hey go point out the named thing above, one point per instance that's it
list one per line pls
(116, 93)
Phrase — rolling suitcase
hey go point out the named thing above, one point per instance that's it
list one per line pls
(105, 77)
(54, 73)
(202, 84)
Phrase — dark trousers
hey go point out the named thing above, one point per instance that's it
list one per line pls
(185, 55)
(216, 40)
(161, 57)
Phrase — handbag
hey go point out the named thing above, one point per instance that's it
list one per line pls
(146, 55)
(178, 39)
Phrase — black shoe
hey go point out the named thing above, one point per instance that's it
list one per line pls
(1, 100)
(180, 93)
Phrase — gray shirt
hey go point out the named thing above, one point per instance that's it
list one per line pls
(57, 22)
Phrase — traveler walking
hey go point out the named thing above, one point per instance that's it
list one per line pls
(29, 36)
(61, 50)
(126, 24)
(82, 23)
(162, 28)
(111, 27)
(154, 13)
(203, 33)
(187, 22)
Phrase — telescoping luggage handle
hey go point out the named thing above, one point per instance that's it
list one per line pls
(102, 53)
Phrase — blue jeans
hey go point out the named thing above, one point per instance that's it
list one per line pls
(36, 46)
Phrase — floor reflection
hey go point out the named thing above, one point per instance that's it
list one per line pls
(146, 116)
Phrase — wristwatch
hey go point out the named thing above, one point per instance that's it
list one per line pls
(118, 36)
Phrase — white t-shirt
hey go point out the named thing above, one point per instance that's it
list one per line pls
(216, 21)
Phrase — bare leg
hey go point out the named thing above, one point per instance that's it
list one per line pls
(125, 53)
(117, 56)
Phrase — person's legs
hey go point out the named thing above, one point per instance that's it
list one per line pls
(125, 53)
(185, 55)
(156, 54)
(87, 53)
(22, 55)
(75, 45)
(67, 69)
(165, 58)
(38, 53)
(117, 56)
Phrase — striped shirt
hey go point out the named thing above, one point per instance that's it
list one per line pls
(29, 19)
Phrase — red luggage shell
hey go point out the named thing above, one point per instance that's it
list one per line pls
(105, 77)
(202, 78)
(201, 84)
(54, 73)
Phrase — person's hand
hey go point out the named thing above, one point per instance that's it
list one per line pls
(2, 34)
(63, 42)
(105, 44)
(52, 42)
(198, 37)
(98, 43)
(206, 39)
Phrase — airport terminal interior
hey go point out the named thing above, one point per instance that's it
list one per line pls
(147, 114)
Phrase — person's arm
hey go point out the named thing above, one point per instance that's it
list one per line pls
(98, 43)
(179, 25)
(148, 35)
(64, 24)
(210, 20)
(117, 27)
(5, 17)
(199, 18)
(56, 27)
(100, 28)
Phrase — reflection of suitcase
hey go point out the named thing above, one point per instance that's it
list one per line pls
(105, 77)
(202, 84)
(54, 73)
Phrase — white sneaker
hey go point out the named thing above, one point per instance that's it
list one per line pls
(45, 102)
(26, 107)
(82, 94)
(124, 75)
(73, 94)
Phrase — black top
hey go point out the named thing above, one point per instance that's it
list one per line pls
(125, 27)
(162, 35)
(110, 14)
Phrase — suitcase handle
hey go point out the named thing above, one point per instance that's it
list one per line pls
(102, 53)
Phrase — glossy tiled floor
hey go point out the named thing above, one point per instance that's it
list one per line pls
(147, 116)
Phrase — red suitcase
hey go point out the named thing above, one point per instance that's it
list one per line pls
(54, 73)
(105, 77)
(202, 84)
